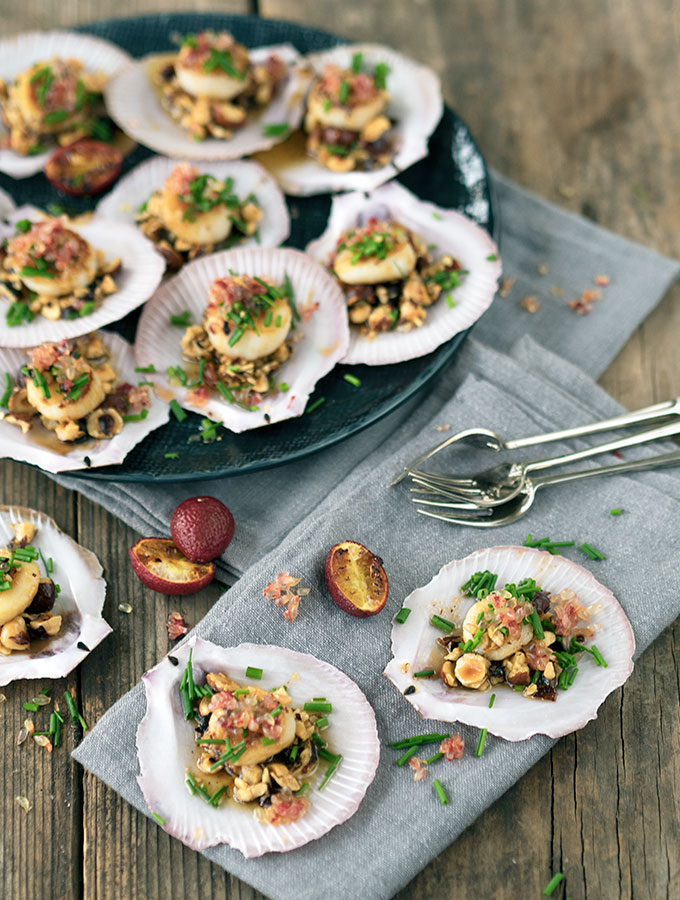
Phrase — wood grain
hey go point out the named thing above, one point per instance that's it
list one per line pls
(578, 102)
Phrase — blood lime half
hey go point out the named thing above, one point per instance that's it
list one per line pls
(161, 566)
(356, 579)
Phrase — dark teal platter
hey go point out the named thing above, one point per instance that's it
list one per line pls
(454, 175)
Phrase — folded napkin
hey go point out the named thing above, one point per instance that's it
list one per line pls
(534, 234)
(401, 825)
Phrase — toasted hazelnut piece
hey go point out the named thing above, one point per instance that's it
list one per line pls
(205, 761)
(14, 635)
(245, 793)
(24, 532)
(549, 671)
(104, 423)
(106, 372)
(281, 774)
(68, 430)
(251, 774)
(517, 669)
(359, 312)
(49, 623)
(303, 728)
(447, 674)
(220, 682)
(338, 163)
(415, 291)
(375, 128)
(18, 403)
(24, 422)
(204, 706)
(108, 285)
(195, 343)
(471, 670)
(381, 319)
(51, 310)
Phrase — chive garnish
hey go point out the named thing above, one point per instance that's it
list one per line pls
(352, 379)
(146, 370)
(241, 692)
(4, 400)
(171, 455)
(319, 699)
(39, 382)
(73, 710)
(444, 624)
(284, 388)
(418, 739)
(277, 130)
(330, 771)
(591, 552)
(177, 410)
(159, 819)
(210, 741)
(136, 417)
(424, 673)
(322, 722)
(410, 751)
(217, 796)
(482, 741)
(253, 672)
(402, 615)
(615, 512)
(434, 758)
(441, 793)
(552, 884)
(491, 701)
(265, 741)
(312, 706)
(536, 625)
(31, 707)
(302, 790)
(181, 320)
(317, 403)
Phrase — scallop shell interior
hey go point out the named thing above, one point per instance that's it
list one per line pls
(415, 105)
(19, 52)
(445, 231)
(513, 716)
(134, 104)
(324, 337)
(165, 748)
(140, 275)
(6, 204)
(80, 601)
(48, 453)
(122, 203)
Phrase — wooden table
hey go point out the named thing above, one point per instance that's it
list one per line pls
(577, 101)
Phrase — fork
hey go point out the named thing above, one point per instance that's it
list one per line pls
(501, 483)
(505, 514)
(486, 439)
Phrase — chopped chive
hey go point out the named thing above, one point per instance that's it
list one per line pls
(283, 387)
(424, 673)
(86, 309)
(317, 403)
(265, 741)
(572, 675)
(410, 751)
(31, 707)
(146, 370)
(158, 818)
(171, 455)
(536, 625)
(322, 722)
(418, 739)
(294, 753)
(73, 710)
(252, 672)
(433, 758)
(492, 257)
(330, 771)
(177, 410)
(402, 615)
(441, 793)
(302, 790)
(210, 741)
(444, 624)
(137, 417)
(312, 706)
(241, 692)
(591, 552)
(612, 512)
(276, 710)
(217, 796)
(482, 741)
(599, 659)
(352, 379)
(491, 701)
(181, 320)
(319, 699)
(4, 400)
(552, 884)
(277, 130)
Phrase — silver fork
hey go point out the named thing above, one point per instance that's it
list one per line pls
(493, 517)
(501, 483)
(485, 439)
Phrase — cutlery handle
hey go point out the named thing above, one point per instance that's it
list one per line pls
(647, 414)
(642, 437)
(636, 465)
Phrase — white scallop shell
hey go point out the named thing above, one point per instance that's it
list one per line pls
(6, 204)
(450, 232)
(325, 341)
(16, 445)
(140, 275)
(165, 744)
(133, 102)
(79, 574)
(19, 52)
(415, 105)
(513, 716)
(122, 203)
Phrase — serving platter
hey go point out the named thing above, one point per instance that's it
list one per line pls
(455, 175)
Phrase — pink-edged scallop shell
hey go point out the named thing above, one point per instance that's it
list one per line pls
(415, 105)
(80, 602)
(133, 103)
(90, 454)
(19, 52)
(513, 716)
(141, 271)
(325, 332)
(122, 203)
(6, 204)
(446, 231)
(165, 737)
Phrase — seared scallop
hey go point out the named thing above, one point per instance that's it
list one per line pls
(389, 255)
(495, 644)
(212, 65)
(58, 406)
(66, 258)
(45, 88)
(25, 583)
(353, 117)
(184, 218)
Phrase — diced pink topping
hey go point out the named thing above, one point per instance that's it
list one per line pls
(419, 768)
(176, 626)
(50, 241)
(180, 178)
(223, 700)
(286, 808)
(568, 611)
(452, 747)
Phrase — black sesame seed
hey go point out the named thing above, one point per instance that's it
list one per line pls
(82, 646)
(411, 689)
(173, 660)
(87, 461)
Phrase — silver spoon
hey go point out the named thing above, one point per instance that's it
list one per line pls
(501, 483)
(483, 438)
(495, 516)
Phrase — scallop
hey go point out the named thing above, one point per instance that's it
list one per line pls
(218, 85)
(258, 753)
(397, 264)
(509, 646)
(164, 734)
(57, 406)
(209, 227)
(255, 343)
(513, 716)
(77, 612)
(78, 273)
(340, 116)
(66, 72)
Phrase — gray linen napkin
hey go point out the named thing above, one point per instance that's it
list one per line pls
(533, 233)
(400, 817)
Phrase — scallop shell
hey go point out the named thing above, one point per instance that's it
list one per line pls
(18, 53)
(513, 716)
(22, 447)
(325, 341)
(450, 232)
(134, 104)
(164, 734)
(142, 270)
(123, 202)
(81, 600)
(6, 204)
(416, 106)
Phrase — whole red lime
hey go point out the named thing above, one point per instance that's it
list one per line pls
(202, 528)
